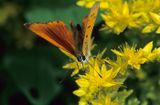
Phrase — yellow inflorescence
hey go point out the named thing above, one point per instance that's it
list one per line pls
(135, 58)
(121, 14)
(89, 3)
(99, 76)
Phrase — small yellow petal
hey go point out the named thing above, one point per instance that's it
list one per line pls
(103, 70)
(148, 28)
(108, 73)
(76, 71)
(90, 4)
(82, 82)
(137, 67)
(108, 101)
(158, 30)
(145, 17)
(79, 92)
(82, 102)
(117, 52)
(81, 3)
(120, 28)
(104, 5)
(148, 48)
(125, 9)
(155, 17)
(110, 84)
(109, 23)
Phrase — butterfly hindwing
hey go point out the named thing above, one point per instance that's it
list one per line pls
(57, 33)
(88, 23)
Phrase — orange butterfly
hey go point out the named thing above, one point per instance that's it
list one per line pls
(76, 42)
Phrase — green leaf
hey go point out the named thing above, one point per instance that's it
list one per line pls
(34, 74)
(122, 96)
(72, 13)
(133, 101)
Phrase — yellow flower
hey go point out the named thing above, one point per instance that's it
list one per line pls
(104, 77)
(155, 55)
(145, 6)
(156, 18)
(77, 66)
(135, 57)
(98, 76)
(154, 25)
(149, 10)
(148, 28)
(89, 3)
(120, 17)
(93, 79)
(121, 14)
(120, 65)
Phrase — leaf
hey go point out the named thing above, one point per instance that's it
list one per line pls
(34, 74)
(52, 3)
(72, 13)
(123, 95)
(133, 101)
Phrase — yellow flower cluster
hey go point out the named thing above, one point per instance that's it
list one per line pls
(96, 78)
(135, 58)
(133, 14)
(89, 3)
(100, 77)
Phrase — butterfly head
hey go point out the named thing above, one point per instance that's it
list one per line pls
(81, 57)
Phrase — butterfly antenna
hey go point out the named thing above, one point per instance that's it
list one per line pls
(93, 68)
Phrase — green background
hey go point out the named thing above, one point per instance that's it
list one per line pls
(31, 69)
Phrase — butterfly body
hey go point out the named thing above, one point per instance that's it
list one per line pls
(78, 34)
(75, 41)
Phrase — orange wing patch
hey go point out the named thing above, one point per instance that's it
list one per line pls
(88, 23)
(56, 33)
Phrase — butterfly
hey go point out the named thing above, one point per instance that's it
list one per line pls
(76, 41)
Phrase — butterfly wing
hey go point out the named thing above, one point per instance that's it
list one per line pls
(55, 32)
(88, 23)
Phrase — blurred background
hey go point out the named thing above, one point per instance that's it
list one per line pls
(31, 69)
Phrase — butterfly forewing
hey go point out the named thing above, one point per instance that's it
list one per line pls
(56, 33)
(88, 23)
